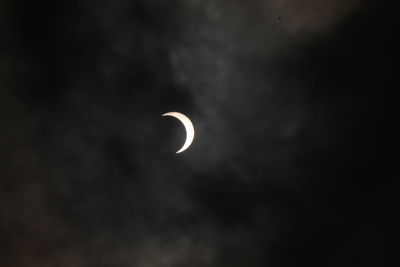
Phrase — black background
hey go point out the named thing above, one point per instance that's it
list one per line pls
(294, 159)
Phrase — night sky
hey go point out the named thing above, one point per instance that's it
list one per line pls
(294, 158)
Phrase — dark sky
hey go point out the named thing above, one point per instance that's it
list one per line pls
(294, 159)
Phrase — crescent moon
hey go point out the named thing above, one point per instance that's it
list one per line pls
(188, 127)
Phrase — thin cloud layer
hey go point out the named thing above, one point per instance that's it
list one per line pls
(285, 102)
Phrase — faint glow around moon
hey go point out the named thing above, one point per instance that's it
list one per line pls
(188, 126)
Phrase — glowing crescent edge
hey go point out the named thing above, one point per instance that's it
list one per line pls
(188, 127)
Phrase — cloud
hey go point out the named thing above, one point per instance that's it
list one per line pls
(310, 16)
(92, 178)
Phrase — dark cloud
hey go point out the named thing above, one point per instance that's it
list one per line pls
(293, 159)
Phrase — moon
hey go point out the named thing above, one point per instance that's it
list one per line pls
(188, 127)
